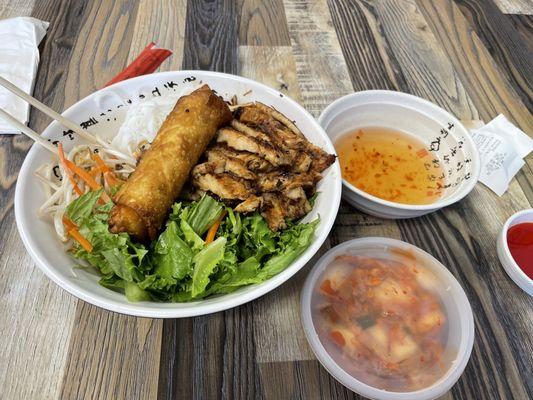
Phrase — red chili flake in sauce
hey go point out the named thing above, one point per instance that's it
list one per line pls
(520, 242)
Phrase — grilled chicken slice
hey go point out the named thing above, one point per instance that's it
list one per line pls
(219, 163)
(297, 209)
(281, 181)
(225, 186)
(280, 117)
(321, 159)
(277, 133)
(240, 141)
(253, 162)
(284, 133)
(277, 208)
(273, 211)
(251, 204)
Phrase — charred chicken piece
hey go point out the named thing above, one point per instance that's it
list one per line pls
(261, 163)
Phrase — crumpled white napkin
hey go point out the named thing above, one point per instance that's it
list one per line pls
(19, 59)
(502, 148)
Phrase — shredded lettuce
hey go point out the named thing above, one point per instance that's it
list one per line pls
(179, 266)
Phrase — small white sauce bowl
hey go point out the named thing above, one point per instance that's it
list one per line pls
(447, 141)
(504, 254)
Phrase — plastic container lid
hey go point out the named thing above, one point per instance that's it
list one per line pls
(406, 331)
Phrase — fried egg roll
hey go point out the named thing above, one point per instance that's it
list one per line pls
(142, 203)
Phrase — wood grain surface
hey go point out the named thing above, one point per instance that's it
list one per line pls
(471, 57)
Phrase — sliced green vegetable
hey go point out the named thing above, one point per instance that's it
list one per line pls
(134, 293)
(204, 264)
(202, 214)
(83, 206)
(172, 256)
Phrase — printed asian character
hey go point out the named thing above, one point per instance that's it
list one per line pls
(69, 133)
(90, 122)
(444, 133)
(156, 92)
(435, 145)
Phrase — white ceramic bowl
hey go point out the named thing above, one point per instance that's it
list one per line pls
(453, 147)
(460, 321)
(507, 260)
(108, 108)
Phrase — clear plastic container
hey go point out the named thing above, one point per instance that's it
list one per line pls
(391, 322)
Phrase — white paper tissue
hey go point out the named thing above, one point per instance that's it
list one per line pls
(502, 147)
(19, 59)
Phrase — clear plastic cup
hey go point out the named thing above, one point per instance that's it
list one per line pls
(432, 281)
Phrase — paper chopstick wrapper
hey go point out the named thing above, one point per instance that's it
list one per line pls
(502, 148)
(19, 60)
(147, 62)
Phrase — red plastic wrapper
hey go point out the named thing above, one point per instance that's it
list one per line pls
(146, 63)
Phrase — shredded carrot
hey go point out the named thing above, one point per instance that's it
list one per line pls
(95, 171)
(112, 180)
(213, 230)
(81, 239)
(89, 180)
(101, 164)
(63, 160)
(72, 230)
(68, 223)
(109, 176)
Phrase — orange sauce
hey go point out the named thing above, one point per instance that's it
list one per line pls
(390, 165)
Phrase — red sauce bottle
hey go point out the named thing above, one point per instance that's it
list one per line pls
(520, 242)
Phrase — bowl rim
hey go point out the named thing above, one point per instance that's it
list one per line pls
(459, 195)
(438, 388)
(138, 309)
(507, 260)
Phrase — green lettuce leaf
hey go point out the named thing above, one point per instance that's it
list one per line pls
(134, 293)
(172, 256)
(82, 207)
(291, 245)
(202, 214)
(204, 264)
(246, 273)
(191, 237)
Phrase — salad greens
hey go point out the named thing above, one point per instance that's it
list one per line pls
(180, 266)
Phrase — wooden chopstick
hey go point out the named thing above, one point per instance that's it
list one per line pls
(48, 111)
(28, 131)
